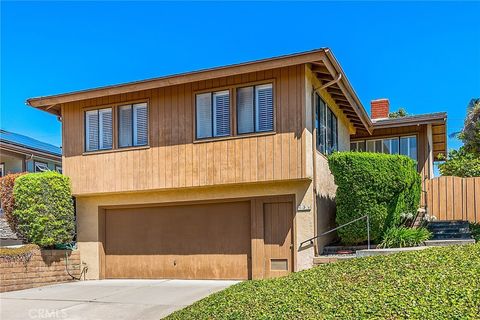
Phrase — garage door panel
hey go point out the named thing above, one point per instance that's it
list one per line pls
(203, 241)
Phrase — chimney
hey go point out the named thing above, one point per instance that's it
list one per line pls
(379, 108)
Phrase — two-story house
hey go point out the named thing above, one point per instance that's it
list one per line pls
(213, 174)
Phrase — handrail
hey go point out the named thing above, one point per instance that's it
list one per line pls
(343, 225)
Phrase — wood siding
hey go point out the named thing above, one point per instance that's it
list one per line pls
(173, 160)
(454, 198)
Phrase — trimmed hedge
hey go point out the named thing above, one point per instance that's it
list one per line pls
(44, 208)
(6, 195)
(431, 284)
(381, 186)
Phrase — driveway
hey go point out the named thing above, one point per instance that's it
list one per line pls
(107, 299)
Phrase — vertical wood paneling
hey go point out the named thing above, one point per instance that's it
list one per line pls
(454, 198)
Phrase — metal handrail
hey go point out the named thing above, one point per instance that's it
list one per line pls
(343, 225)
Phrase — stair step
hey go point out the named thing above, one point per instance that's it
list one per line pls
(449, 231)
(332, 258)
(452, 236)
(448, 223)
(451, 242)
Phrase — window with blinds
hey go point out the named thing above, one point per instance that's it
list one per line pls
(133, 125)
(98, 129)
(255, 109)
(212, 111)
(326, 124)
(395, 145)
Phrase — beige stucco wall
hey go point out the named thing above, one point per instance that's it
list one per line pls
(325, 187)
(87, 212)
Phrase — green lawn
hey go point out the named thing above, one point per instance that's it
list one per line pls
(437, 283)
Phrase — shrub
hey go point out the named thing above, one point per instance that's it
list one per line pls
(400, 237)
(431, 284)
(475, 230)
(6, 195)
(379, 185)
(44, 208)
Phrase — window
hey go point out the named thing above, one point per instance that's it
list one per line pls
(58, 168)
(2, 169)
(398, 145)
(213, 114)
(408, 147)
(133, 125)
(255, 109)
(98, 129)
(357, 146)
(326, 124)
(40, 166)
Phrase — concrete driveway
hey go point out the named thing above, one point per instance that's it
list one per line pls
(107, 299)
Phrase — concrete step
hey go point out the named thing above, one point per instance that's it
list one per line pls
(318, 260)
(451, 236)
(451, 231)
(329, 250)
(448, 242)
(447, 223)
(453, 228)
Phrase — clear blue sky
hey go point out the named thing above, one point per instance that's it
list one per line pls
(422, 56)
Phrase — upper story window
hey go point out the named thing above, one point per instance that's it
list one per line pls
(98, 129)
(133, 125)
(397, 145)
(326, 124)
(39, 166)
(213, 114)
(255, 109)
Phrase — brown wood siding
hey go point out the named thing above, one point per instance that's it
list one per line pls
(422, 146)
(454, 198)
(173, 159)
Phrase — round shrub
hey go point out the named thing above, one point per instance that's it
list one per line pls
(381, 186)
(6, 195)
(44, 208)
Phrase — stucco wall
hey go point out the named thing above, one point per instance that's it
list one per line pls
(88, 209)
(325, 187)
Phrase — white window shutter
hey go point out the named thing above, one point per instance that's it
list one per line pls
(245, 110)
(221, 110)
(91, 130)
(264, 107)
(106, 128)
(125, 129)
(140, 121)
(204, 115)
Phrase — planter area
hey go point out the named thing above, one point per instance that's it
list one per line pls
(37, 267)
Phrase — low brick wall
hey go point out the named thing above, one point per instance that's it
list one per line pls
(43, 267)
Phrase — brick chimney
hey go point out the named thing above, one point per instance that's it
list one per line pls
(379, 108)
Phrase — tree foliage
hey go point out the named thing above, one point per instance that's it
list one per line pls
(6, 195)
(401, 112)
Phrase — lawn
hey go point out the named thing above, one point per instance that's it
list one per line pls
(437, 283)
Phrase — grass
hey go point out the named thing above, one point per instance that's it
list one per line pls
(436, 283)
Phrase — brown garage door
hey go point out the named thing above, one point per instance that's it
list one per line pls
(201, 241)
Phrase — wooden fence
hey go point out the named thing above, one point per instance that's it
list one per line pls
(454, 198)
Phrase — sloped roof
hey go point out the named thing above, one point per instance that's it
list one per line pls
(30, 143)
(437, 117)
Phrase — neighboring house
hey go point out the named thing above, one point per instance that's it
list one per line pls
(213, 174)
(19, 153)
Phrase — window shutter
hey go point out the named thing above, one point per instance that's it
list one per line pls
(264, 104)
(91, 130)
(221, 110)
(204, 115)
(106, 129)
(140, 120)
(245, 110)
(125, 129)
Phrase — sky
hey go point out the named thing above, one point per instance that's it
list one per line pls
(424, 57)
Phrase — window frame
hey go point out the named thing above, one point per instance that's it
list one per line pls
(2, 169)
(234, 111)
(35, 162)
(328, 127)
(255, 109)
(115, 145)
(117, 133)
(382, 138)
(212, 109)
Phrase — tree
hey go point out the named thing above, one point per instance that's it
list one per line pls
(401, 112)
(465, 162)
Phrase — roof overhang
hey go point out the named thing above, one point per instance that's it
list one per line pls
(29, 151)
(321, 57)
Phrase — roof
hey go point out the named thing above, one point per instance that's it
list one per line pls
(323, 57)
(437, 117)
(29, 143)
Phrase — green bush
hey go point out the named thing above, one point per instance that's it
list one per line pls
(44, 208)
(431, 284)
(379, 185)
(475, 230)
(400, 237)
(6, 196)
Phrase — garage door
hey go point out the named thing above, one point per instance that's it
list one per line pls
(201, 241)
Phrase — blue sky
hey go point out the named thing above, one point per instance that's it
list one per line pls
(422, 56)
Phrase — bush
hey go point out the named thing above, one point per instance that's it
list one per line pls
(475, 230)
(379, 185)
(435, 283)
(44, 208)
(6, 195)
(400, 237)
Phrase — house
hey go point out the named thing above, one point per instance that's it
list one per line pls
(214, 174)
(19, 153)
